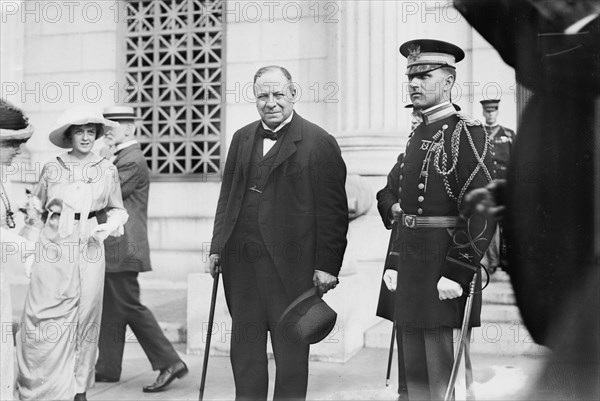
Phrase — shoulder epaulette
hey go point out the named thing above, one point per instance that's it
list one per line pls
(468, 119)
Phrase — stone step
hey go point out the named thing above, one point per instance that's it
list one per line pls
(498, 293)
(500, 313)
(498, 338)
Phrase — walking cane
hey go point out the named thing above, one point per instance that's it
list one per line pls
(211, 318)
(463, 338)
(391, 356)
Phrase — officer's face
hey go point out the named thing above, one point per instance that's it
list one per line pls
(490, 116)
(429, 88)
(275, 98)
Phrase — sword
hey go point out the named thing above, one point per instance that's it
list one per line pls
(211, 318)
(463, 338)
(391, 356)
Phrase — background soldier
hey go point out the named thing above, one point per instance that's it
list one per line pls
(502, 140)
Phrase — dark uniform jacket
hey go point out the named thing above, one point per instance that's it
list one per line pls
(425, 254)
(502, 140)
(303, 209)
(131, 251)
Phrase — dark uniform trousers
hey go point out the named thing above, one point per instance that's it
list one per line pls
(428, 359)
(256, 300)
(122, 307)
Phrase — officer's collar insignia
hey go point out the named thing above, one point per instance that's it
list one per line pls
(414, 53)
(438, 112)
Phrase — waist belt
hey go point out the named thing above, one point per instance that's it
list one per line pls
(413, 221)
(90, 215)
(77, 215)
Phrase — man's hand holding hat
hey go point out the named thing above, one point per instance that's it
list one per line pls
(324, 281)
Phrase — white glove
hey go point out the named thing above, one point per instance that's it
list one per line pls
(102, 231)
(390, 278)
(29, 259)
(396, 211)
(448, 289)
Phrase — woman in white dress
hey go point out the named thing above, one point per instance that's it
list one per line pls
(14, 131)
(57, 343)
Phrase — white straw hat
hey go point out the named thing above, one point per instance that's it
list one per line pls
(77, 116)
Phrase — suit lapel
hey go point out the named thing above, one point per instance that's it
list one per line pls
(247, 147)
(288, 145)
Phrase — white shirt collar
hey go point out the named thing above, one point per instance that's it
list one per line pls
(125, 145)
(283, 124)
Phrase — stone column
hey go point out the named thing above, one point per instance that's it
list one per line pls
(373, 125)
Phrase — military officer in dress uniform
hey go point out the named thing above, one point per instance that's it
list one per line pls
(502, 140)
(438, 250)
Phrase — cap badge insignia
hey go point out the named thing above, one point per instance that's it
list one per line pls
(414, 53)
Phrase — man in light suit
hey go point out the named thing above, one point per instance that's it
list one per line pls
(280, 229)
(127, 256)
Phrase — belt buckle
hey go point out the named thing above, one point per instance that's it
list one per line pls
(409, 220)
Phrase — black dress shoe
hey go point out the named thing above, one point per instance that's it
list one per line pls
(166, 376)
(100, 378)
(80, 397)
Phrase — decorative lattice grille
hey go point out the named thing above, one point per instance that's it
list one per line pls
(174, 72)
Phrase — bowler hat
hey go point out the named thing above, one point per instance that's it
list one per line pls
(77, 116)
(13, 123)
(120, 113)
(307, 319)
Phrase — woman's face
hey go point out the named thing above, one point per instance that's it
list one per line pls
(83, 138)
(9, 150)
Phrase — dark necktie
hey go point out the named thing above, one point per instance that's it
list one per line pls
(268, 134)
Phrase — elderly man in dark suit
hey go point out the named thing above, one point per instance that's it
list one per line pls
(280, 229)
(127, 256)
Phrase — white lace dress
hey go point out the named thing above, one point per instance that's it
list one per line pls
(58, 337)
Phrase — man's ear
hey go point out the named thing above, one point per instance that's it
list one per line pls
(130, 130)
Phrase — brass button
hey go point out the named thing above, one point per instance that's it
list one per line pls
(419, 211)
(401, 177)
(421, 185)
(445, 126)
(401, 165)
(420, 198)
(399, 189)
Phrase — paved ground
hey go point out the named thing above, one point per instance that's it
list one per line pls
(361, 378)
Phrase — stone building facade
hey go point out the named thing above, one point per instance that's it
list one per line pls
(187, 66)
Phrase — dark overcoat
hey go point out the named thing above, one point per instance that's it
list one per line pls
(423, 255)
(303, 209)
(131, 252)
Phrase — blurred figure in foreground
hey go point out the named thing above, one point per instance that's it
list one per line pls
(551, 196)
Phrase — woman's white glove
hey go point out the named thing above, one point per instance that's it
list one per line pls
(390, 278)
(102, 231)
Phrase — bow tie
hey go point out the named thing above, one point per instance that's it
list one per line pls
(268, 134)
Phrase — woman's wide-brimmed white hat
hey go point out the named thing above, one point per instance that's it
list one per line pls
(14, 126)
(77, 116)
